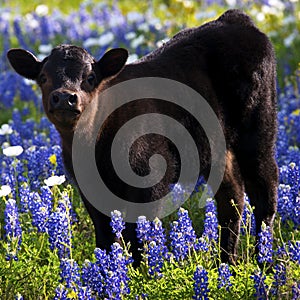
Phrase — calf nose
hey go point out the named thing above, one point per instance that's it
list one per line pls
(63, 100)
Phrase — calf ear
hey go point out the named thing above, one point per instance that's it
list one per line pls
(112, 62)
(24, 63)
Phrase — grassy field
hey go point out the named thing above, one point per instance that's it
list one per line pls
(47, 243)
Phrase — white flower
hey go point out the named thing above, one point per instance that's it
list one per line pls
(13, 151)
(277, 4)
(143, 27)
(31, 21)
(205, 14)
(42, 10)
(5, 129)
(90, 42)
(290, 39)
(138, 41)
(289, 19)
(134, 17)
(28, 81)
(115, 20)
(45, 48)
(131, 58)
(130, 35)
(55, 180)
(260, 17)
(5, 190)
(105, 39)
(231, 2)
(41, 56)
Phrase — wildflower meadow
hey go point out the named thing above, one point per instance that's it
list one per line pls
(47, 243)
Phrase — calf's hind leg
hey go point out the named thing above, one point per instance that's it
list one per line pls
(261, 181)
(229, 215)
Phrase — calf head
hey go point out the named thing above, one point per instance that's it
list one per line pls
(68, 78)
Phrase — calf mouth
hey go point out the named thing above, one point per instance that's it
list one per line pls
(65, 116)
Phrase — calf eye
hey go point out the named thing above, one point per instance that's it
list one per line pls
(91, 80)
(42, 79)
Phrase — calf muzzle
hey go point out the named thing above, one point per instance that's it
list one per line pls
(63, 100)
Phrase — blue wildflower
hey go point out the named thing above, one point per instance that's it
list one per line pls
(201, 244)
(117, 278)
(279, 278)
(69, 273)
(224, 276)
(12, 227)
(92, 276)
(259, 285)
(265, 244)
(40, 211)
(201, 289)
(59, 228)
(296, 291)
(211, 221)
(61, 293)
(294, 251)
(117, 223)
(24, 193)
(19, 297)
(85, 293)
(155, 259)
(182, 235)
(143, 229)
(248, 218)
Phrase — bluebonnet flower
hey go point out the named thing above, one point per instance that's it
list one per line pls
(143, 229)
(24, 193)
(117, 223)
(54, 136)
(40, 212)
(59, 228)
(19, 297)
(155, 259)
(279, 277)
(182, 235)
(265, 244)
(69, 273)
(259, 285)
(92, 276)
(177, 194)
(117, 278)
(157, 232)
(18, 33)
(248, 218)
(8, 88)
(150, 231)
(285, 205)
(15, 139)
(294, 251)
(296, 291)
(224, 276)
(201, 244)
(154, 239)
(201, 289)
(85, 293)
(12, 227)
(46, 196)
(61, 293)
(211, 221)
(108, 275)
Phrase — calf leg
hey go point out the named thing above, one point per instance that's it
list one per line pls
(261, 182)
(231, 188)
(105, 237)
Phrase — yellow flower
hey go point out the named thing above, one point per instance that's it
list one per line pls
(52, 159)
(296, 112)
